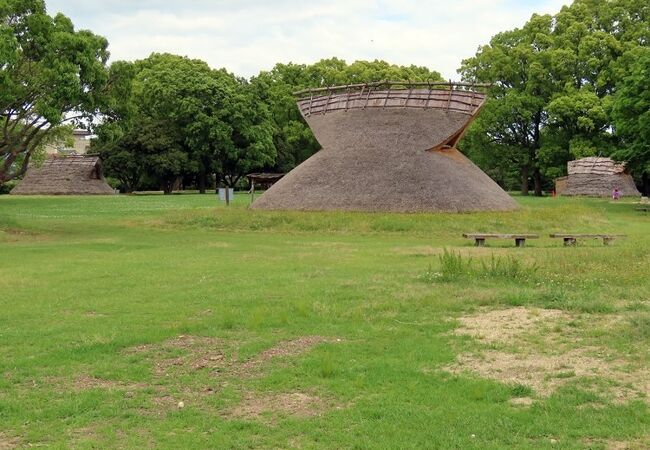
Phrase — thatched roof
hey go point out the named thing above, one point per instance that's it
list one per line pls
(71, 175)
(596, 177)
(388, 149)
(595, 165)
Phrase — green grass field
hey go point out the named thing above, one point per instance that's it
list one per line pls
(175, 322)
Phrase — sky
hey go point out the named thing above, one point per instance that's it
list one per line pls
(247, 36)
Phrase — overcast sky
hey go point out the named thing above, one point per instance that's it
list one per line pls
(246, 36)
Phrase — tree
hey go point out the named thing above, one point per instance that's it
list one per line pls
(250, 145)
(553, 82)
(50, 75)
(176, 116)
(632, 117)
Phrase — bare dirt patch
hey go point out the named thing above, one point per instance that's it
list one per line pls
(298, 404)
(85, 382)
(294, 347)
(545, 361)
(8, 443)
(190, 353)
(184, 355)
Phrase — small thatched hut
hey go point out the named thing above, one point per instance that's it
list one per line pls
(596, 177)
(388, 147)
(69, 175)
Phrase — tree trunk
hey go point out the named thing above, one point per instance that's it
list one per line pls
(203, 180)
(168, 185)
(537, 177)
(524, 179)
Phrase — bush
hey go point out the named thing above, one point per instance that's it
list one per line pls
(7, 187)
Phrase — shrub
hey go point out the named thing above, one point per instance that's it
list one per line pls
(7, 187)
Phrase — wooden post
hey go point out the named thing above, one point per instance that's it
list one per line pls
(227, 195)
(480, 242)
(252, 190)
(408, 97)
(347, 98)
(472, 101)
(311, 99)
(520, 242)
(327, 105)
(367, 98)
(449, 100)
(386, 99)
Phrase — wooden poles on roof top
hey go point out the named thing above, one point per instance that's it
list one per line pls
(391, 84)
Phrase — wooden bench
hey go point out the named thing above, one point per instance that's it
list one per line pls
(479, 238)
(571, 238)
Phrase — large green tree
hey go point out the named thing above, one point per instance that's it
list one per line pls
(553, 86)
(175, 116)
(632, 116)
(50, 75)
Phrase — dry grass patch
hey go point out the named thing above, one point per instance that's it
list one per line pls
(299, 404)
(535, 348)
(501, 326)
(642, 443)
(422, 250)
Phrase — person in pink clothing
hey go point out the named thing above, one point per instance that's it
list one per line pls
(616, 194)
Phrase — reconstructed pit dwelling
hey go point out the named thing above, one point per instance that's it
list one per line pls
(65, 175)
(388, 146)
(595, 176)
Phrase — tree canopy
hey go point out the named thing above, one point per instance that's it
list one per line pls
(179, 116)
(50, 75)
(554, 82)
(632, 116)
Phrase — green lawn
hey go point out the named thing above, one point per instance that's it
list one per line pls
(319, 330)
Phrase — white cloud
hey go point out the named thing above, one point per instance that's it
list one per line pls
(252, 35)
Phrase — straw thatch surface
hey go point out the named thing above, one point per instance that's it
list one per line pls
(596, 177)
(596, 185)
(71, 175)
(595, 165)
(381, 159)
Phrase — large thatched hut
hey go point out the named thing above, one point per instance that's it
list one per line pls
(596, 177)
(69, 175)
(388, 147)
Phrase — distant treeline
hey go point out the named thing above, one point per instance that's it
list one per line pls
(565, 86)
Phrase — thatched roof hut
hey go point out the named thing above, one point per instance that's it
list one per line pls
(388, 147)
(70, 175)
(596, 177)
